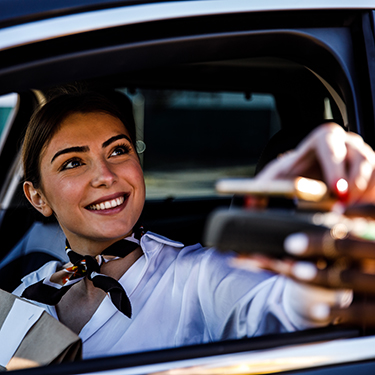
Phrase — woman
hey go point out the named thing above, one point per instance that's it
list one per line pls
(81, 166)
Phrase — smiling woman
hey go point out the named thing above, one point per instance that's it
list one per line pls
(90, 163)
(82, 167)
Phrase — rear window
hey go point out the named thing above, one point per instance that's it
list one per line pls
(7, 105)
(193, 138)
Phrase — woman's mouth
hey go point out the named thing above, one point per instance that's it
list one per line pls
(108, 204)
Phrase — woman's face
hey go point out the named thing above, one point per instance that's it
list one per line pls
(91, 179)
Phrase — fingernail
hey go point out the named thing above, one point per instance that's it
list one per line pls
(304, 271)
(296, 243)
(341, 189)
(345, 298)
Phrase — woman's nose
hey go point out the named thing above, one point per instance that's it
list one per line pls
(103, 175)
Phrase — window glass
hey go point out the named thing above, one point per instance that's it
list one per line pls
(7, 104)
(194, 138)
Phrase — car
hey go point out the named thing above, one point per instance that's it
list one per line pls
(218, 87)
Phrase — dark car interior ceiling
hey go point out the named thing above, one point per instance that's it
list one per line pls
(67, 58)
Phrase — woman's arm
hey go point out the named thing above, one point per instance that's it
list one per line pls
(328, 153)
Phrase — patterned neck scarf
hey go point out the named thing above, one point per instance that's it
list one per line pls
(51, 289)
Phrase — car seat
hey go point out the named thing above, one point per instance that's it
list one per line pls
(41, 244)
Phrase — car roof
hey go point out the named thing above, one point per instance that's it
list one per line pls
(46, 20)
(48, 52)
(20, 11)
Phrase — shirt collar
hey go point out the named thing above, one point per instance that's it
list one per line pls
(160, 239)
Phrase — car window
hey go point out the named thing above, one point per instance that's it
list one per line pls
(7, 105)
(193, 138)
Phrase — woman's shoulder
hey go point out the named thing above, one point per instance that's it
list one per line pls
(151, 237)
(151, 241)
(153, 244)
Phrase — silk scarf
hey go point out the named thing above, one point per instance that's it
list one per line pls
(51, 289)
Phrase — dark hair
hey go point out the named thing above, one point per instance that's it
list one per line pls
(46, 121)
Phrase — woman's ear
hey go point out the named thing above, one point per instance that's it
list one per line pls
(37, 199)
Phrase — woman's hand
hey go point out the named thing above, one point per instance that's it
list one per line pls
(329, 153)
(323, 290)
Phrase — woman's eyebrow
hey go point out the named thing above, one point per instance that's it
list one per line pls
(115, 138)
(70, 149)
(86, 148)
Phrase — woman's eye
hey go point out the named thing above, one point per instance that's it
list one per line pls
(72, 164)
(120, 150)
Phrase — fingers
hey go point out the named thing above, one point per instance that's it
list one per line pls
(282, 167)
(323, 306)
(304, 293)
(334, 154)
(349, 262)
(322, 154)
(310, 245)
(339, 275)
(331, 153)
(361, 176)
(326, 147)
(345, 155)
(315, 303)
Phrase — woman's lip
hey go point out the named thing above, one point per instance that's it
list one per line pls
(113, 209)
(108, 198)
(109, 207)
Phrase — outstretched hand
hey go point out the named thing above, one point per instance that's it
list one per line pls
(330, 153)
(325, 269)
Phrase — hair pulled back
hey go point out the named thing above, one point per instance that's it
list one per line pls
(46, 121)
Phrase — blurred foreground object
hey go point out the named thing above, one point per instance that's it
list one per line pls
(325, 250)
(306, 192)
(301, 187)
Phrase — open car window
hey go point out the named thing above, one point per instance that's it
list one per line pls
(8, 104)
(193, 138)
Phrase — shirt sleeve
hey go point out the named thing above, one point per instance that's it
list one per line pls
(237, 303)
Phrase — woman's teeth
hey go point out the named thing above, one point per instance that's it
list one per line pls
(107, 204)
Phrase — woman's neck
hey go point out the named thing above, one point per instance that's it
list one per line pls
(92, 247)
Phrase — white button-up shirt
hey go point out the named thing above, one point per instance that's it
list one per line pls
(181, 296)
